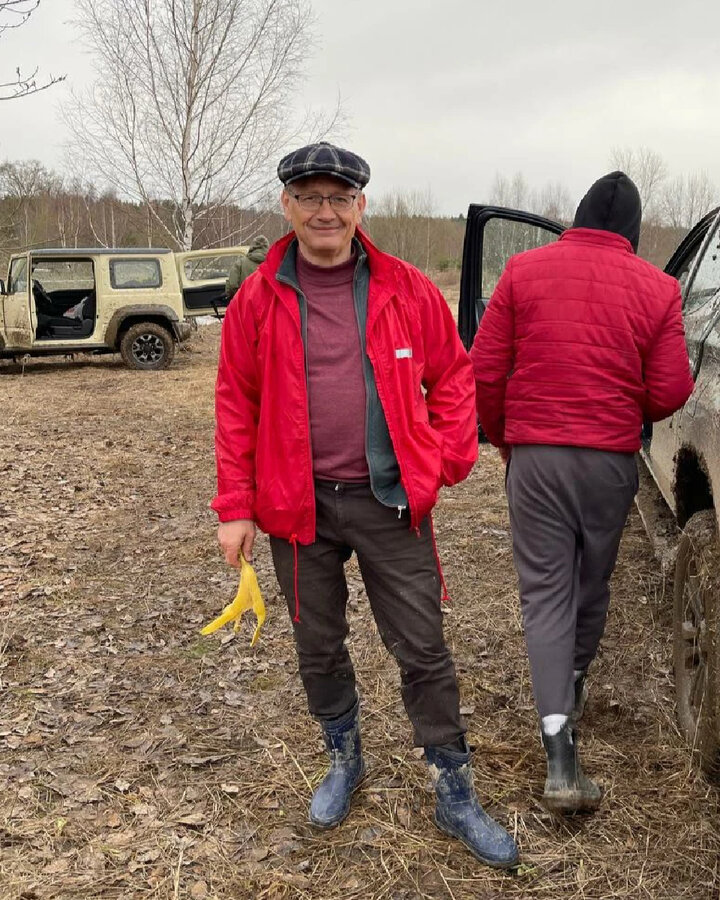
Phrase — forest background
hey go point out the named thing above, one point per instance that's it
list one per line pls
(175, 142)
(43, 208)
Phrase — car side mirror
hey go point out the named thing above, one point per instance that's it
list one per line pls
(2, 287)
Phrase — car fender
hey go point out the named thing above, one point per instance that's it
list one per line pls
(153, 312)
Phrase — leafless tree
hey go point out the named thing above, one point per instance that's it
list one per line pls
(193, 103)
(554, 202)
(14, 14)
(685, 199)
(510, 192)
(22, 185)
(648, 170)
(400, 222)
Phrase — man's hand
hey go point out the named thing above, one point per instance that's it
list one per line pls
(236, 537)
(505, 452)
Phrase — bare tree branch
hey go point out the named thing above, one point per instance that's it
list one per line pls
(648, 170)
(14, 14)
(194, 101)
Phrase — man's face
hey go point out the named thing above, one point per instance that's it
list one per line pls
(325, 234)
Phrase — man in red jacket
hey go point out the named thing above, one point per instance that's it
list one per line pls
(581, 342)
(344, 402)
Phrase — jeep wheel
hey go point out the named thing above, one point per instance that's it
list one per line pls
(147, 345)
(696, 651)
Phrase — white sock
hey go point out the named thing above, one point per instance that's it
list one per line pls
(553, 724)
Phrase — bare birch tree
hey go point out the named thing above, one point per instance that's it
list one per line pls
(14, 14)
(648, 170)
(685, 199)
(511, 192)
(400, 222)
(193, 103)
(554, 202)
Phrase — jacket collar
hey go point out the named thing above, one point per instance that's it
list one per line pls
(382, 265)
(384, 269)
(597, 238)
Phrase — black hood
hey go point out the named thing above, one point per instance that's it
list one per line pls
(612, 204)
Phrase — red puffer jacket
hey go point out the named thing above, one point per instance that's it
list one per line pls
(262, 439)
(581, 341)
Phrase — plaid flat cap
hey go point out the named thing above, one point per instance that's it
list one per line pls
(324, 159)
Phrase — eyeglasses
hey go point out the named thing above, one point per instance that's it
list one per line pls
(313, 202)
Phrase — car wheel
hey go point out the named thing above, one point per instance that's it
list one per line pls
(696, 650)
(147, 345)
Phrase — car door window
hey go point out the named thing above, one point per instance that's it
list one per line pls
(701, 303)
(492, 235)
(704, 288)
(17, 282)
(205, 268)
(685, 268)
(502, 239)
(135, 274)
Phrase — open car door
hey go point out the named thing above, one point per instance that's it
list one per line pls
(202, 275)
(17, 308)
(492, 235)
(696, 265)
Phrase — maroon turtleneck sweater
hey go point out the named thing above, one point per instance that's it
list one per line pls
(336, 386)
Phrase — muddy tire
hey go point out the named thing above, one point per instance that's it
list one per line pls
(147, 345)
(696, 649)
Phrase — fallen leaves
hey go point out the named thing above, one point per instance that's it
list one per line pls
(135, 755)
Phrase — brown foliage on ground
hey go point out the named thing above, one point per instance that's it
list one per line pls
(140, 760)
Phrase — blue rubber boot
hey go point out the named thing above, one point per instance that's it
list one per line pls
(331, 801)
(459, 814)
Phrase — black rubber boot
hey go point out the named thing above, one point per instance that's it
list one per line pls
(581, 695)
(458, 812)
(331, 801)
(567, 789)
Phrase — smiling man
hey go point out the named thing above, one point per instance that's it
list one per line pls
(344, 402)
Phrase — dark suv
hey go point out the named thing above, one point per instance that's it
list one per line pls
(680, 469)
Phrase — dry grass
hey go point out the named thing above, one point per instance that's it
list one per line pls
(140, 760)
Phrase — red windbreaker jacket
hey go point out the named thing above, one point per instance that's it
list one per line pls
(581, 341)
(262, 439)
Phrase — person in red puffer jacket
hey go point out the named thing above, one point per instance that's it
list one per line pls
(581, 342)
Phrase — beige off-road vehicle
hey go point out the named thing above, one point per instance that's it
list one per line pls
(137, 302)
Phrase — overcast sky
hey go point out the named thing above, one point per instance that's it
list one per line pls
(442, 95)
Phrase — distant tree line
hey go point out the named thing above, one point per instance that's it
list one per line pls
(173, 143)
(41, 208)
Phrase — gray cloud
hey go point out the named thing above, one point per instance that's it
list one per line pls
(442, 95)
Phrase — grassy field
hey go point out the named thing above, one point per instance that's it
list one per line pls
(141, 760)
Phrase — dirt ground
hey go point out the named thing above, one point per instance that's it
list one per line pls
(141, 760)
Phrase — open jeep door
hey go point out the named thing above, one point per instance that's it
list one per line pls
(492, 235)
(202, 275)
(17, 306)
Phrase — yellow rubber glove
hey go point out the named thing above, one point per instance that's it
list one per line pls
(247, 597)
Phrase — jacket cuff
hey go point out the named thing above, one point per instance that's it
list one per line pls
(230, 507)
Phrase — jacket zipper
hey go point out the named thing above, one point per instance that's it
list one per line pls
(303, 336)
(398, 455)
(363, 352)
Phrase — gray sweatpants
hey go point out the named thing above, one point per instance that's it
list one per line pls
(568, 507)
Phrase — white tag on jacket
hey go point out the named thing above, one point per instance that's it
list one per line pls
(403, 353)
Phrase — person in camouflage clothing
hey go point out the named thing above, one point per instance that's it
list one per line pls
(246, 265)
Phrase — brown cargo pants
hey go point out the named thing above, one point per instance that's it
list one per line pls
(400, 573)
(568, 507)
